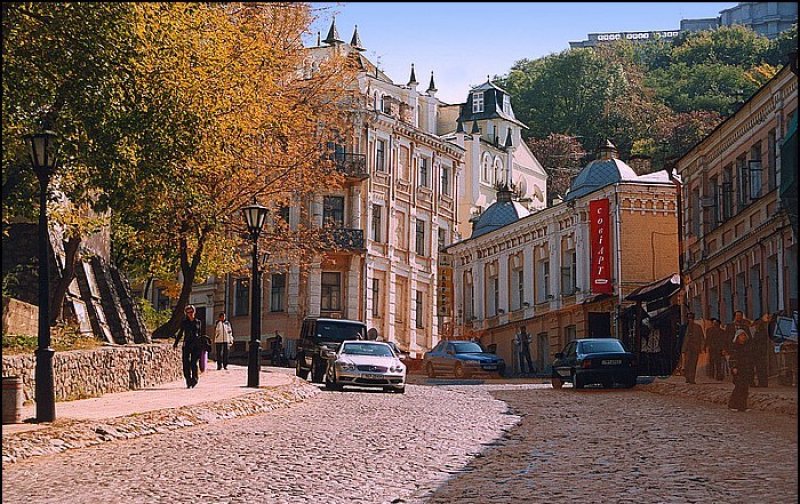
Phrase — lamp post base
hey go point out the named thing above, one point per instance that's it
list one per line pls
(254, 364)
(45, 385)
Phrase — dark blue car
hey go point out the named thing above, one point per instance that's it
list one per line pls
(462, 359)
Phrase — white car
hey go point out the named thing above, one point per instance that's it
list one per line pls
(364, 363)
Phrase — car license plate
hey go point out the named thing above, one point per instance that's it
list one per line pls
(612, 362)
(373, 377)
(490, 368)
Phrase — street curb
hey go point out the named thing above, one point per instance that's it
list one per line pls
(757, 400)
(65, 435)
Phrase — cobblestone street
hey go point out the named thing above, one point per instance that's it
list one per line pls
(440, 444)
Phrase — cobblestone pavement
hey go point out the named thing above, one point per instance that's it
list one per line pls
(629, 446)
(495, 443)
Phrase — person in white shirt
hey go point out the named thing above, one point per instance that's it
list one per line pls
(223, 338)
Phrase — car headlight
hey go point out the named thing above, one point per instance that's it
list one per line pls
(397, 368)
(345, 366)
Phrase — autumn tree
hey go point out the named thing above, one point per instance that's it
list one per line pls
(65, 68)
(231, 115)
(562, 157)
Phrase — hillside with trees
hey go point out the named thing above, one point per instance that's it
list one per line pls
(654, 99)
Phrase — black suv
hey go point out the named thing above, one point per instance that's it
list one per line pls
(323, 333)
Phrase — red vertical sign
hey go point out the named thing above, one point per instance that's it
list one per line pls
(600, 274)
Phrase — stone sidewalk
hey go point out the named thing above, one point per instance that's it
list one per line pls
(219, 395)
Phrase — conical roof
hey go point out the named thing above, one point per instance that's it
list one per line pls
(502, 212)
(412, 79)
(333, 35)
(432, 85)
(355, 42)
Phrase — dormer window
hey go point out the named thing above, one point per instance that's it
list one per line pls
(506, 104)
(477, 102)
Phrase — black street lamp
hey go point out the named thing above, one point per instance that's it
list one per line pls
(44, 153)
(255, 215)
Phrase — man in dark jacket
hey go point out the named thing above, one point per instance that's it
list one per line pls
(715, 344)
(191, 330)
(760, 348)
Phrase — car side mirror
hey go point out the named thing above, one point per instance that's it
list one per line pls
(559, 355)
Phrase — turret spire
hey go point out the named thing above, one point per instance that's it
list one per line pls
(356, 41)
(432, 86)
(412, 80)
(333, 35)
(475, 129)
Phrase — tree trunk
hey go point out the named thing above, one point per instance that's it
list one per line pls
(71, 255)
(189, 270)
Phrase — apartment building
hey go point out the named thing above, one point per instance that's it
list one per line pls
(739, 251)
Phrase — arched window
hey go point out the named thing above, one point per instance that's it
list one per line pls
(499, 178)
(486, 169)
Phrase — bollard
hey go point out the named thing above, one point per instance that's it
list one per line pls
(12, 399)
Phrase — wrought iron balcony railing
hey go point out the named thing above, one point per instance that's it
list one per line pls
(347, 239)
(350, 164)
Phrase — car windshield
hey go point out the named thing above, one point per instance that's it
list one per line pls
(367, 349)
(340, 331)
(467, 347)
(611, 345)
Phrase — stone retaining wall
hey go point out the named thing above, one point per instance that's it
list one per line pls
(91, 373)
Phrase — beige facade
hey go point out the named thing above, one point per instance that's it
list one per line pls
(535, 271)
(738, 249)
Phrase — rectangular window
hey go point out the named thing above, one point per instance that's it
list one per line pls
(568, 261)
(419, 310)
(743, 185)
(284, 214)
(333, 211)
(445, 180)
(278, 291)
(543, 285)
(241, 297)
(380, 155)
(331, 292)
(423, 172)
(520, 289)
(754, 171)
(694, 208)
(495, 283)
(420, 244)
(727, 300)
(569, 334)
(376, 223)
(506, 104)
(716, 202)
(727, 193)
(442, 238)
(741, 293)
(772, 168)
(713, 302)
(477, 102)
(469, 295)
(376, 297)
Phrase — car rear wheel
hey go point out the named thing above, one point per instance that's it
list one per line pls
(608, 384)
(577, 381)
(459, 371)
(429, 370)
(557, 383)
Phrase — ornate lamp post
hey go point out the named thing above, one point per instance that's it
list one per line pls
(44, 153)
(255, 215)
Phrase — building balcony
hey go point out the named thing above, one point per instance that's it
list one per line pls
(345, 239)
(351, 165)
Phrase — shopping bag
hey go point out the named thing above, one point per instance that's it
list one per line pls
(203, 360)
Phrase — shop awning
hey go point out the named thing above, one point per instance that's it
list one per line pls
(659, 289)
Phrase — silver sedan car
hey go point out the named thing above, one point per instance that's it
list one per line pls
(363, 363)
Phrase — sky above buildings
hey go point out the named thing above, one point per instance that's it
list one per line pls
(462, 43)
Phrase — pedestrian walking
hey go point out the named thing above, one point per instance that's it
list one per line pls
(276, 350)
(523, 340)
(742, 370)
(692, 344)
(760, 348)
(715, 345)
(190, 331)
(223, 339)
